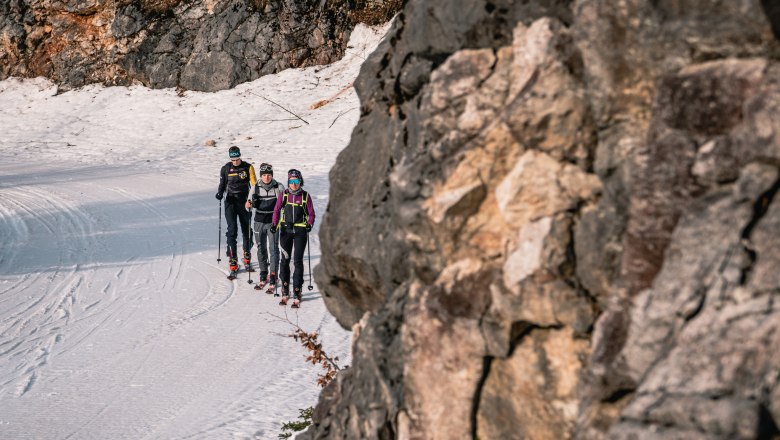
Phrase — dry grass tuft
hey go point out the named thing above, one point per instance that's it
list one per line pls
(374, 12)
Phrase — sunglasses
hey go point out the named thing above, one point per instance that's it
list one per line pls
(294, 182)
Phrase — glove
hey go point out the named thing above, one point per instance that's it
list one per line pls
(308, 228)
(219, 196)
(274, 228)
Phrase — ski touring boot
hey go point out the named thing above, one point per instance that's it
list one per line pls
(296, 303)
(285, 294)
(248, 262)
(233, 266)
(261, 282)
(271, 284)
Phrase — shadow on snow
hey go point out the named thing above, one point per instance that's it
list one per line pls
(119, 233)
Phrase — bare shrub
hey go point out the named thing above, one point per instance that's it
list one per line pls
(374, 12)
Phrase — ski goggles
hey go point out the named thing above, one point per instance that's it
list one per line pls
(294, 182)
(266, 169)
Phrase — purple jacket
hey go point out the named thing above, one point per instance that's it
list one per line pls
(293, 198)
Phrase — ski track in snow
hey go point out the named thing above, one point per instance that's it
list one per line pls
(116, 321)
(40, 320)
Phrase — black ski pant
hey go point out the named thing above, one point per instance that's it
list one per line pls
(234, 207)
(293, 242)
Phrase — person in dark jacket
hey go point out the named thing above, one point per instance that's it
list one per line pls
(263, 199)
(236, 178)
(294, 218)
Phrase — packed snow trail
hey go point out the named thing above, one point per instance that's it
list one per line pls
(116, 321)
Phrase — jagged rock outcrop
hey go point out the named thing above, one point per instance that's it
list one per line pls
(558, 219)
(205, 45)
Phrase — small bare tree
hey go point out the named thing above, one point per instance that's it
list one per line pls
(310, 342)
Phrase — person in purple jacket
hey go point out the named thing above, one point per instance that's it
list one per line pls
(294, 218)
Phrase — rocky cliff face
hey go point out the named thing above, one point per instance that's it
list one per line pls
(558, 219)
(203, 45)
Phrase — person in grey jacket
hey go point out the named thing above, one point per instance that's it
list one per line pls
(263, 198)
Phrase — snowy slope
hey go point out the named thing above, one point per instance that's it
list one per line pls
(116, 321)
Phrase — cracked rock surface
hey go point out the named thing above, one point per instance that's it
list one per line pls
(205, 45)
(564, 224)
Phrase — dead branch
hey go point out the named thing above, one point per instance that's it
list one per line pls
(340, 115)
(327, 101)
(310, 342)
(280, 106)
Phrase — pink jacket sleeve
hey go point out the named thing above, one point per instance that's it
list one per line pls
(278, 208)
(310, 209)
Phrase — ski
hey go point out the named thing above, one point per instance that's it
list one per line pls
(272, 280)
(296, 298)
(233, 268)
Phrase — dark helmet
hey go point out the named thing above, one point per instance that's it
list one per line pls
(234, 152)
(295, 174)
(266, 168)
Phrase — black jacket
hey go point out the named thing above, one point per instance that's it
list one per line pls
(237, 180)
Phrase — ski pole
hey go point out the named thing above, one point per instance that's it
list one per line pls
(278, 266)
(276, 281)
(249, 230)
(308, 249)
(219, 240)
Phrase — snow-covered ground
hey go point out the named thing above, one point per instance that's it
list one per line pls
(116, 321)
